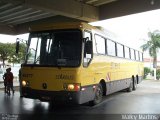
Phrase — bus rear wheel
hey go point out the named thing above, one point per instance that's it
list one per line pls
(98, 95)
(130, 88)
(134, 84)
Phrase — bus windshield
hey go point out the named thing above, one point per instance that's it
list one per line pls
(55, 48)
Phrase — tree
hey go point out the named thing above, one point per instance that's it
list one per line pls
(7, 52)
(153, 44)
(17, 58)
(146, 71)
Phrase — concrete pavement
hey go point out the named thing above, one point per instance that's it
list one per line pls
(144, 103)
(15, 84)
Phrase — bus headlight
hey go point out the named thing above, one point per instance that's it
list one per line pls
(72, 86)
(25, 83)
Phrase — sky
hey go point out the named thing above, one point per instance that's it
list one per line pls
(131, 30)
(12, 38)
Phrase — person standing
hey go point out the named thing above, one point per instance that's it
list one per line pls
(5, 82)
(9, 79)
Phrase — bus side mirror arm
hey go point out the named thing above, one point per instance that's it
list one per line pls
(85, 39)
(18, 40)
(17, 47)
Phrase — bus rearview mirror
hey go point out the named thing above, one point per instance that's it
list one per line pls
(88, 47)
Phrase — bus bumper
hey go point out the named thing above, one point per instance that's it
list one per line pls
(74, 97)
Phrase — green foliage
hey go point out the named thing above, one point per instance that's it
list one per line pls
(146, 71)
(17, 58)
(158, 74)
(7, 52)
(152, 72)
(153, 45)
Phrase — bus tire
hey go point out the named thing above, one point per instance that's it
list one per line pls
(134, 83)
(130, 88)
(98, 95)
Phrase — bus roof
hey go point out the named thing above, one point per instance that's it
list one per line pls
(72, 25)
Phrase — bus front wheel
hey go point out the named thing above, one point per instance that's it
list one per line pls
(98, 95)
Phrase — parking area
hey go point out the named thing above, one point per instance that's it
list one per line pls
(144, 101)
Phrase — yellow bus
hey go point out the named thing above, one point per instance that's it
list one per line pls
(77, 63)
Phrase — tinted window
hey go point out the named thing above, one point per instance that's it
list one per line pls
(55, 48)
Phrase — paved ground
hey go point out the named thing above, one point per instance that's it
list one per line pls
(15, 84)
(144, 103)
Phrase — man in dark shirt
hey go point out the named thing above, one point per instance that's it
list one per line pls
(9, 79)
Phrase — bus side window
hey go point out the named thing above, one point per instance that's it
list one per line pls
(88, 51)
(127, 52)
(100, 45)
(120, 50)
(111, 48)
(137, 55)
(132, 54)
(141, 56)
